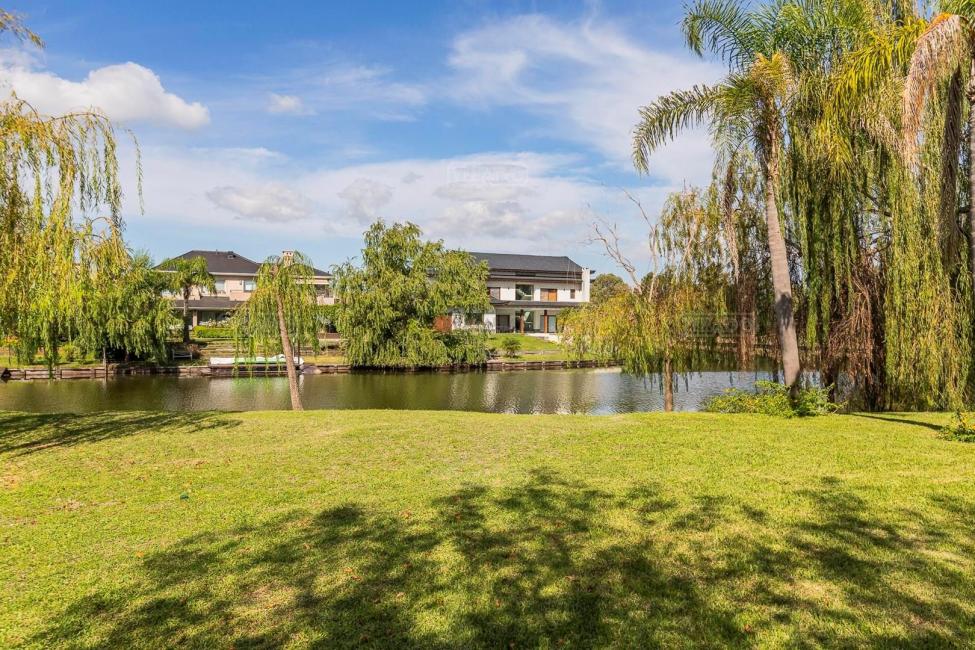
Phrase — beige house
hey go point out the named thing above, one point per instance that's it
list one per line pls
(235, 278)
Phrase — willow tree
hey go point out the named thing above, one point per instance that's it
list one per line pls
(669, 321)
(836, 159)
(281, 314)
(388, 306)
(749, 106)
(123, 307)
(183, 275)
(884, 204)
(56, 173)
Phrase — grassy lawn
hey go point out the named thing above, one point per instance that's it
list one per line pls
(533, 348)
(528, 343)
(435, 530)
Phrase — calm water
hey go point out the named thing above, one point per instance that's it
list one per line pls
(596, 391)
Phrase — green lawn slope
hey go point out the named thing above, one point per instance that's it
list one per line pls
(437, 530)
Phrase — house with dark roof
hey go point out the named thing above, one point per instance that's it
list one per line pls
(235, 277)
(528, 292)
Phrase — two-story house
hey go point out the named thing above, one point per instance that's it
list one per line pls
(529, 291)
(235, 278)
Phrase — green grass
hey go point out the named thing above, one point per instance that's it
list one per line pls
(528, 343)
(435, 530)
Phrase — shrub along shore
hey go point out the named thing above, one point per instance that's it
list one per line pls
(442, 529)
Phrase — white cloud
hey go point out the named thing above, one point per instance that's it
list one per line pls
(289, 104)
(354, 84)
(587, 79)
(341, 86)
(473, 202)
(364, 199)
(126, 92)
(272, 202)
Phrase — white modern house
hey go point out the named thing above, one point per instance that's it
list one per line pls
(529, 291)
(235, 278)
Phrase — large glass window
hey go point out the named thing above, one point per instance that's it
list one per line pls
(220, 285)
(494, 292)
(524, 292)
(249, 285)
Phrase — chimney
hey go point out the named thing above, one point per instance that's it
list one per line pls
(287, 256)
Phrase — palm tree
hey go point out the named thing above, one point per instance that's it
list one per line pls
(945, 50)
(182, 275)
(748, 107)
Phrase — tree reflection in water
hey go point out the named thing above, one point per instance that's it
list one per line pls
(593, 391)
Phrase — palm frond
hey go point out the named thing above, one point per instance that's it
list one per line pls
(661, 120)
(940, 50)
(886, 52)
(964, 8)
(723, 28)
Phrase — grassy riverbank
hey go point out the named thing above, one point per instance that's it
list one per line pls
(395, 529)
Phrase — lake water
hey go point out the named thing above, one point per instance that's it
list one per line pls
(594, 391)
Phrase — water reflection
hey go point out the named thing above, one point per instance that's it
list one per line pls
(595, 391)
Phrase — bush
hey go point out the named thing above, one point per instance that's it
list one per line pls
(511, 346)
(962, 429)
(69, 353)
(772, 398)
(813, 401)
(466, 346)
(212, 332)
(331, 346)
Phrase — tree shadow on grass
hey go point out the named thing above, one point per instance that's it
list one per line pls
(551, 562)
(27, 433)
(901, 420)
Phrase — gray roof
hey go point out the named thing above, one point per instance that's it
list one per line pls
(223, 261)
(229, 262)
(534, 263)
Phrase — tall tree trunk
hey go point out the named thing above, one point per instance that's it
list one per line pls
(668, 379)
(52, 357)
(186, 315)
(781, 284)
(971, 171)
(289, 359)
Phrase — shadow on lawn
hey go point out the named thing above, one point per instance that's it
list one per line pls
(551, 562)
(26, 433)
(901, 420)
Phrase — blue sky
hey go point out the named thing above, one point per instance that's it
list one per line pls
(499, 126)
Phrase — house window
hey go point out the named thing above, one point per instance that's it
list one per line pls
(524, 292)
(572, 294)
(220, 285)
(249, 285)
(550, 295)
(494, 292)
